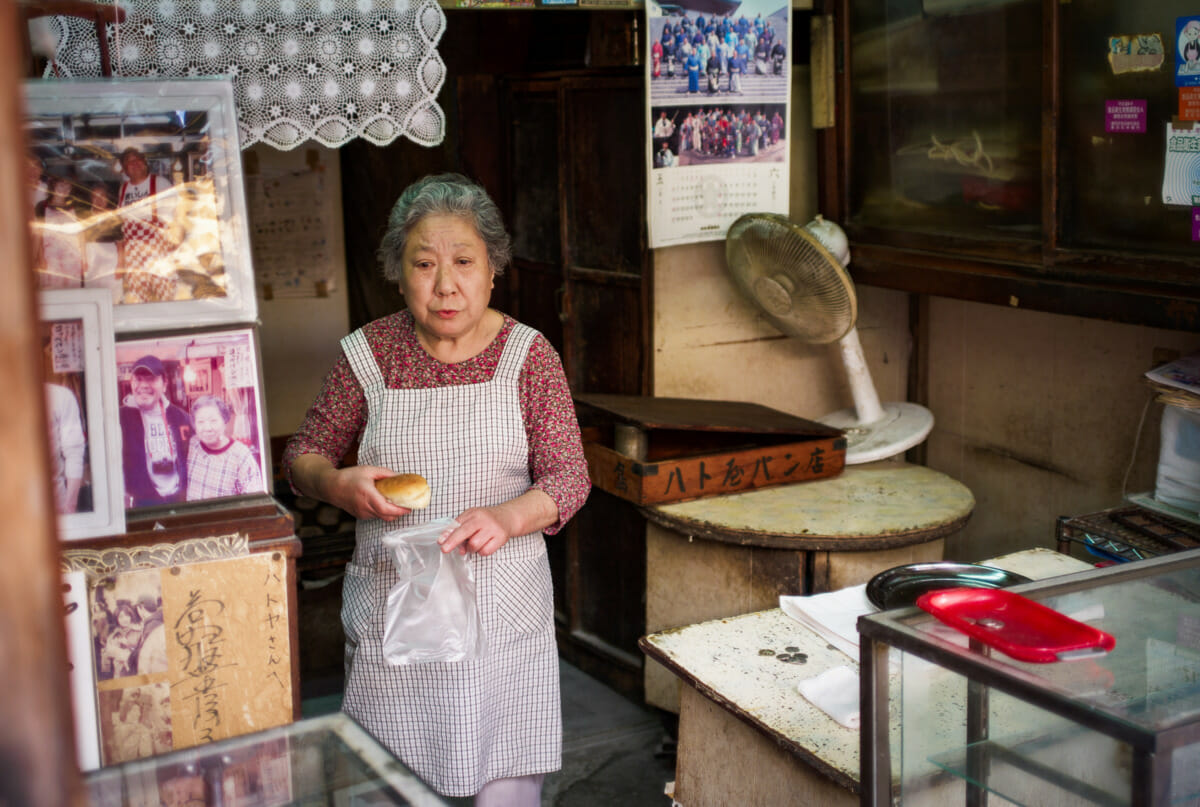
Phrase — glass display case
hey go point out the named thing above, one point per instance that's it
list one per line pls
(948, 720)
(328, 760)
(1023, 152)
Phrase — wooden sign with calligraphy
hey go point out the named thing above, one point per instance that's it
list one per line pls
(191, 654)
(660, 450)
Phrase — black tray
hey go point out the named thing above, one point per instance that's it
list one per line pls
(900, 586)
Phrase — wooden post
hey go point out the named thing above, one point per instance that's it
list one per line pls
(37, 750)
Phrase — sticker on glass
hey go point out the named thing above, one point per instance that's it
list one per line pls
(1135, 53)
(1187, 51)
(1181, 173)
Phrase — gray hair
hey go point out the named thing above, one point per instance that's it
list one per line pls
(211, 400)
(443, 194)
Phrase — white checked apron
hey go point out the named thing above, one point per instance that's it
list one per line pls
(149, 277)
(459, 725)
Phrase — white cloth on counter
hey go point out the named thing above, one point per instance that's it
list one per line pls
(835, 692)
(833, 616)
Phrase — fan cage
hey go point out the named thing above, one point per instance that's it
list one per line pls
(799, 285)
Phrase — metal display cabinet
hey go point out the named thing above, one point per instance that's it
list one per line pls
(947, 720)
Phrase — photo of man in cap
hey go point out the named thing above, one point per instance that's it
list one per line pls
(155, 433)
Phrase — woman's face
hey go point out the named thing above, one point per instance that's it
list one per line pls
(60, 189)
(124, 618)
(210, 426)
(447, 278)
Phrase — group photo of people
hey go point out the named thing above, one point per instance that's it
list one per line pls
(714, 53)
(716, 134)
(191, 428)
(131, 207)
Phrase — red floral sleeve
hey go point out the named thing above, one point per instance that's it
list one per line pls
(556, 462)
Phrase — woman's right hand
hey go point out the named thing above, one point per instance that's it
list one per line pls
(353, 490)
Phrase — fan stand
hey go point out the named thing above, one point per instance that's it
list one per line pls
(874, 431)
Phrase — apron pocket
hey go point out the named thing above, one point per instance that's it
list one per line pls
(359, 606)
(525, 594)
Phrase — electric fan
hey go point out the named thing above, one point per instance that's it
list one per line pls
(797, 277)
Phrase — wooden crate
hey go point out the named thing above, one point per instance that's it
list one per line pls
(660, 450)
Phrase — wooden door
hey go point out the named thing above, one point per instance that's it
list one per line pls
(577, 178)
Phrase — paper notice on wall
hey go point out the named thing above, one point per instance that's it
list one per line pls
(292, 229)
(1181, 172)
(718, 76)
(66, 346)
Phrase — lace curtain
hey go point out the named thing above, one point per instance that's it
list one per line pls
(327, 70)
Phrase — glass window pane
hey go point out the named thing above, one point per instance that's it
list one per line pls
(946, 117)
(1111, 181)
(536, 218)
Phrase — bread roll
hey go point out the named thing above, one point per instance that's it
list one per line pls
(405, 490)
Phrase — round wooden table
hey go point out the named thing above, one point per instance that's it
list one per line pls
(735, 554)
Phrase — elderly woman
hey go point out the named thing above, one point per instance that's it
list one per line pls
(218, 465)
(478, 404)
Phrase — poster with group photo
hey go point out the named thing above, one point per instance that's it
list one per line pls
(719, 83)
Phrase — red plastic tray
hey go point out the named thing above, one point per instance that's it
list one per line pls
(1016, 625)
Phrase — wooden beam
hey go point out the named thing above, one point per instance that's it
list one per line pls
(37, 750)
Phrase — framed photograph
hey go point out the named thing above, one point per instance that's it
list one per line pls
(191, 418)
(135, 187)
(78, 352)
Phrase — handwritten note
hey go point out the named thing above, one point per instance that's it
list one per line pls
(229, 670)
(66, 346)
(293, 231)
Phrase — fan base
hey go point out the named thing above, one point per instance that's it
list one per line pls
(902, 426)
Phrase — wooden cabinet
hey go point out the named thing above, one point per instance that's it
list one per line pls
(1012, 152)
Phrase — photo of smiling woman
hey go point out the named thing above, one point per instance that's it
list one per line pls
(191, 422)
(217, 464)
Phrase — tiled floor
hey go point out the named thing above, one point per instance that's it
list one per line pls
(614, 750)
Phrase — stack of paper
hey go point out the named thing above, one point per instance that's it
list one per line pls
(832, 616)
(1182, 374)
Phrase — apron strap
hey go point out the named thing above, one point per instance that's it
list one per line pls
(516, 348)
(362, 361)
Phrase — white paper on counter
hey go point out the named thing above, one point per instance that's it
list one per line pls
(833, 616)
(835, 692)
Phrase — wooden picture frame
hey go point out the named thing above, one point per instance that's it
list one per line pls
(170, 241)
(193, 425)
(78, 352)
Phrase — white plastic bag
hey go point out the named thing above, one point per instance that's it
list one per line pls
(1178, 481)
(431, 611)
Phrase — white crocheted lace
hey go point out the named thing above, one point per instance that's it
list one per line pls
(329, 70)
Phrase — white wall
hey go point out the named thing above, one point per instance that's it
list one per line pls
(1039, 415)
(299, 335)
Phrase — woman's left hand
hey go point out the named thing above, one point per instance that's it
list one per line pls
(485, 529)
(480, 530)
